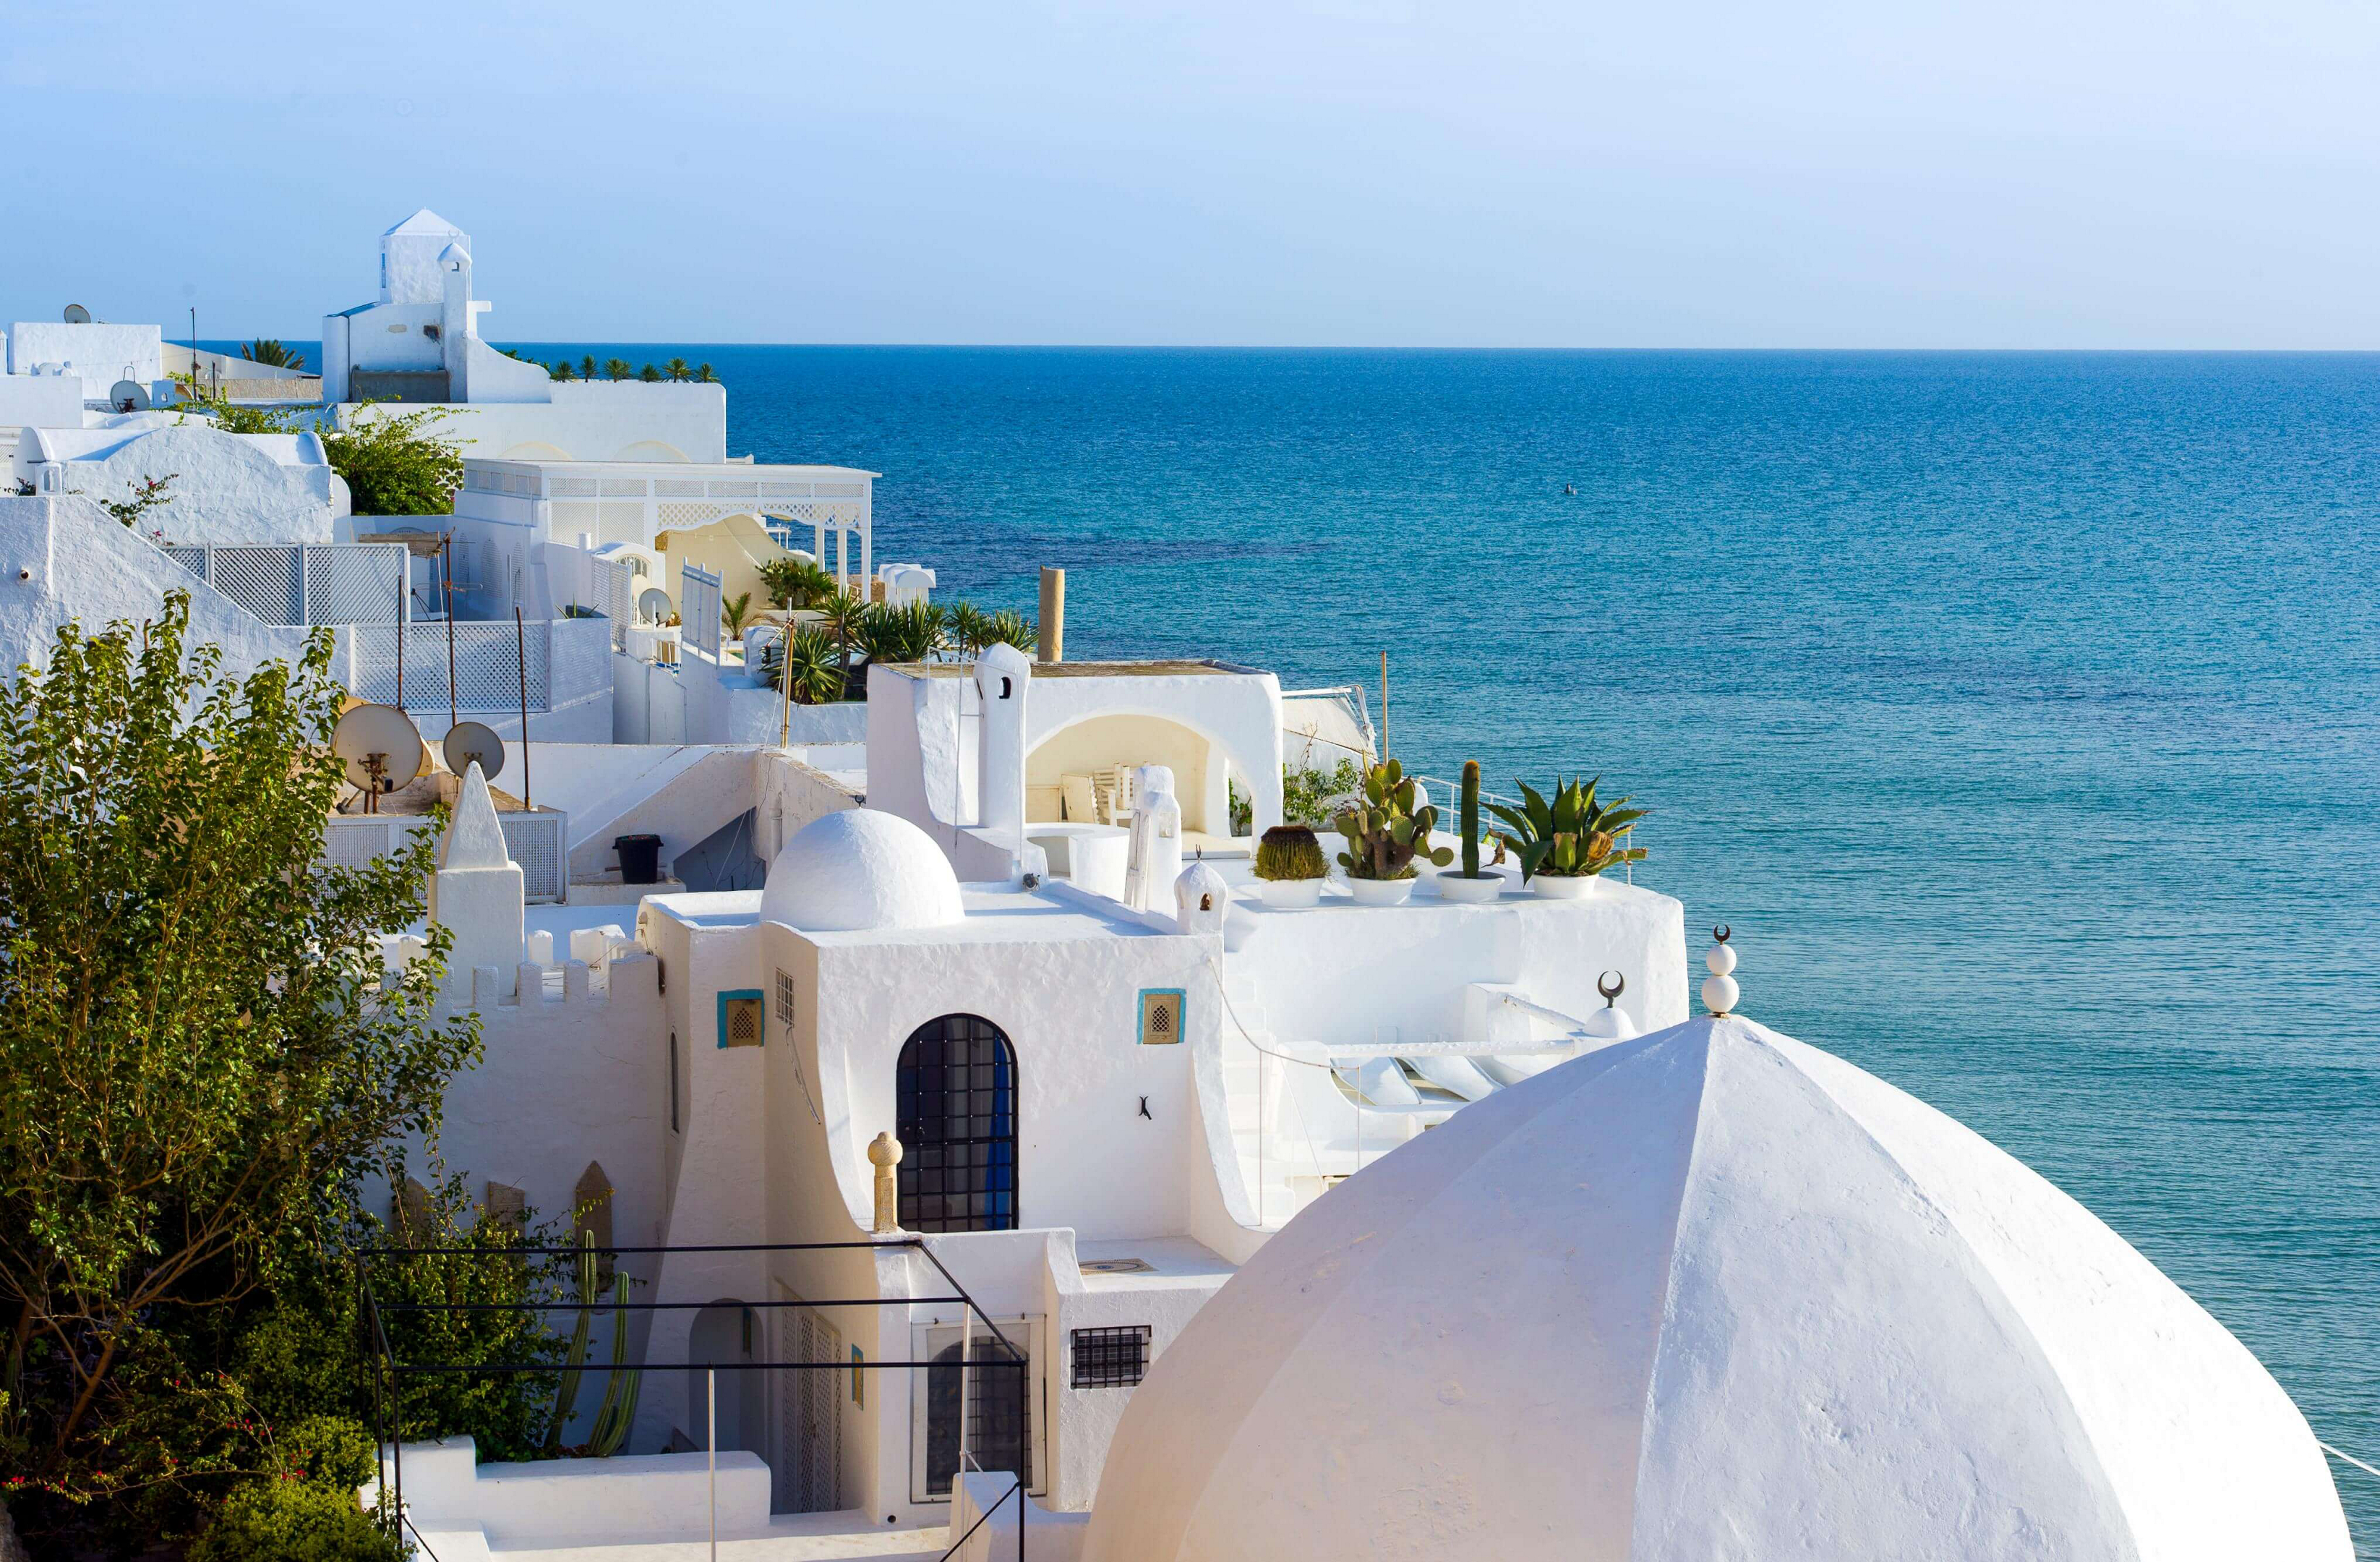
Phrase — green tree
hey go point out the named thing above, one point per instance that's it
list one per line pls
(649, 374)
(617, 369)
(735, 610)
(845, 615)
(201, 1052)
(395, 464)
(703, 375)
(795, 582)
(676, 369)
(561, 371)
(266, 350)
(587, 367)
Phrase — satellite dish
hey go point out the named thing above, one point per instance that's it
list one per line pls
(129, 396)
(78, 315)
(380, 748)
(654, 606)
(470, 743)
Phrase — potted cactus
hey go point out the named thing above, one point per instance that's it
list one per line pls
(1289, 867)
(1387, 829)
(1472, 885)
(1564, 846)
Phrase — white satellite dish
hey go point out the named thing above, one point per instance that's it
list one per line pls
(380, 748)
(78, 315)
(470, 743)
(654, 605)
(129, 396)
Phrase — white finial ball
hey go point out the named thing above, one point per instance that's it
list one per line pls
(1719, 992)
(1721, 960)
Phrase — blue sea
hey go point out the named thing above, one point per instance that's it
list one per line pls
(2020, 712)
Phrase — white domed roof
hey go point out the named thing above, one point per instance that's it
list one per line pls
(1706, 1293)
(861, 870)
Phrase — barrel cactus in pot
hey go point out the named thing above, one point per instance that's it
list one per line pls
(1388, 830)
(1289, 867)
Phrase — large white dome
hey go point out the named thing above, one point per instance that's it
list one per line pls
(860, 869)
(1706, 1294)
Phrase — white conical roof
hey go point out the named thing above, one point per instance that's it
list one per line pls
(474, 838)
(1706, 1294)
(425, 221)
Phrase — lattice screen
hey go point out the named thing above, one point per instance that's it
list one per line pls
(700, 612)
(487, 665)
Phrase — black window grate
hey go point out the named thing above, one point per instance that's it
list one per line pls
(957, 1122)
(999, 1414)
(1116, 1357)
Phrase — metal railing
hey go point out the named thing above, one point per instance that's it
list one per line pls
(383, 1369)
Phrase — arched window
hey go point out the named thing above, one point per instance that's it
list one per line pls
(957, 1127)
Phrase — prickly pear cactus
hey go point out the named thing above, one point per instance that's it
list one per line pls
(1386, 831)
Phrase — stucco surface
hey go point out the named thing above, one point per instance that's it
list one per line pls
(860, 869)
(1707, 1294)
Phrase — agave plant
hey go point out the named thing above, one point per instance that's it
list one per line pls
(1290, 852)
(1573, 836)
(910, 632)
(1388, 827)
(809, 660)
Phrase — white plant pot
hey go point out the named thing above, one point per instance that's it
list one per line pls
(1557, 888)
(1289, 894)
(1470, 892)
(1380, 892)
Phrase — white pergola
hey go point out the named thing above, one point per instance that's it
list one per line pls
(636, 501)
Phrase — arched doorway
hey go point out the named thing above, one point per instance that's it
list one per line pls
(957, 1126)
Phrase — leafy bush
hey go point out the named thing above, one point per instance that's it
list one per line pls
(284, 1518)
(394, 465)
(1312, 797)
(810, 660)
(797, 582)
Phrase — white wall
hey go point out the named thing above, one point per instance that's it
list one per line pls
(44, 401)
(226, 488)
(101, 354)
(602, 421)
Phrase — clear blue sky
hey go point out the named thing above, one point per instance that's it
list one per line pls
(2012, 173)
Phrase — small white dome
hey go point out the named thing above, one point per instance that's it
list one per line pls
(1708, 1293)
(861, 870)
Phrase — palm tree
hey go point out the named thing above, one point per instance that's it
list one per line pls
(266, 350)
(970, 628)
(735, 610)
(587, 367)
(702, 374)
(649, 374)
(561, 371)
(807, 669)
(675, 369)
(843, 614)
(617, 369)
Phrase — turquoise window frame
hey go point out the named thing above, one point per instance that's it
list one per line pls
(752, 993)
(1140, 1013)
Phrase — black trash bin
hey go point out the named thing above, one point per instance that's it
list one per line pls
(641, 858)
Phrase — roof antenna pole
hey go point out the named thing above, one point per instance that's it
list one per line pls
(446, 546)
(520, 642)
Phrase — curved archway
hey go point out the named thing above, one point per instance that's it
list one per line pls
(650, 450)
(957, 1122)
(535, 450)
